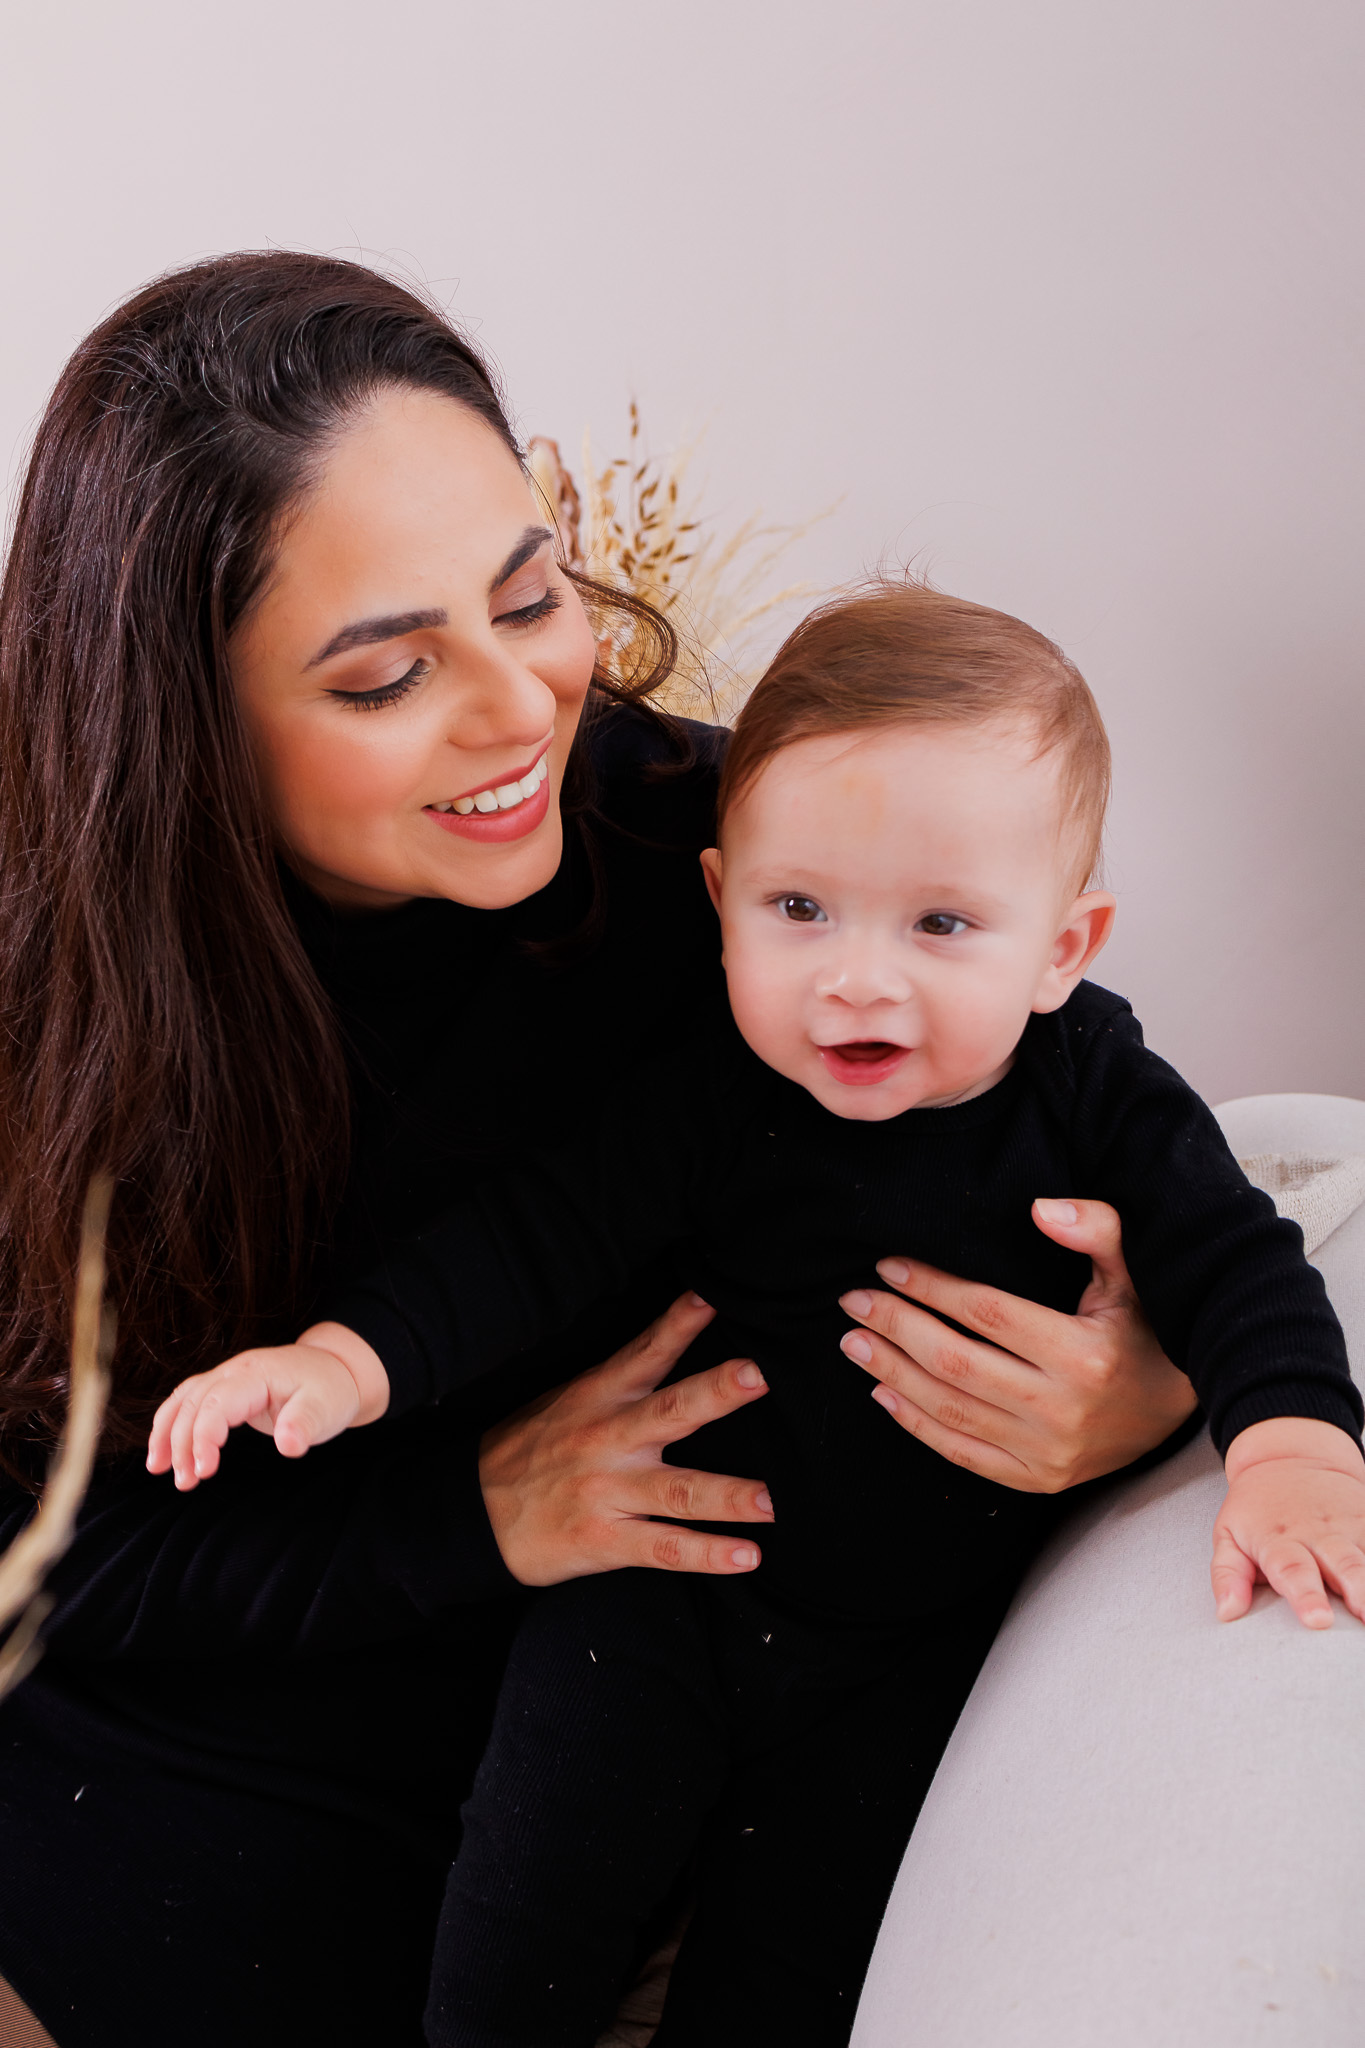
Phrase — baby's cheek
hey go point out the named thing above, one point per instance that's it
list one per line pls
(986, 1025)
(766, 1012)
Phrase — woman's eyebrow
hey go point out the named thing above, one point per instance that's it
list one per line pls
(531, 542)
(369, 632)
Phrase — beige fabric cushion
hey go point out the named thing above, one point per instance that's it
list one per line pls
(1317, 1194)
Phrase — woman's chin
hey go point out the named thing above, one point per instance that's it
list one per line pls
(493, 874)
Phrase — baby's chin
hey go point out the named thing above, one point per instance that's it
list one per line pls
(871, 1091)
(869, 1097)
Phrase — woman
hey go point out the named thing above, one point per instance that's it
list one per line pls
(328, 869)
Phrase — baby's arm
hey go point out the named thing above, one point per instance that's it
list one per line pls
(301, 1394)
(1294, 1517)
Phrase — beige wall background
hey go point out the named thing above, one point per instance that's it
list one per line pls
(1064, 296)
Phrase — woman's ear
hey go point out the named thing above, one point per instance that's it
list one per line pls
(1086, 930)
(710, 867)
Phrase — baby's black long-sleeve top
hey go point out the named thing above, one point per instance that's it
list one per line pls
(780, 1206)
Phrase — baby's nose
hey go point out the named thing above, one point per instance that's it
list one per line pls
(864, 983)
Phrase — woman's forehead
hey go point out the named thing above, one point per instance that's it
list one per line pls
(418, 505)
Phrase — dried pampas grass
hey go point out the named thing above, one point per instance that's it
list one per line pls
(635, 526)
(37, 1547)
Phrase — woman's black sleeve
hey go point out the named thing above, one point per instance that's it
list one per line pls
(366, 1539)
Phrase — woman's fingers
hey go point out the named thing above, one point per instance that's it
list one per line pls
(675, 1411)
(1094, 1230)
(697, 1496)
(574, 1482)
(962, 1363)
(973, 1453)
(1024, 1328)
(658, 1546)
(642, 1363)
(944, 1395)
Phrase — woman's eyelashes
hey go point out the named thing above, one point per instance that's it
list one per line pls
(387, 693)
(528, 614)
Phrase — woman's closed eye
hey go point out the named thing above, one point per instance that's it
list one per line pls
(941, 924)
(528, 614)
(387, 693)
(800, 909)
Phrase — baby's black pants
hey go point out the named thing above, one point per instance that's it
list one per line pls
(649, 1723)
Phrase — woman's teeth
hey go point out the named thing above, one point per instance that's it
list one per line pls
(505, 797)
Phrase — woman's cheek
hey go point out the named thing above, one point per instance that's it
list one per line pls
(568, 670)
(342, 780)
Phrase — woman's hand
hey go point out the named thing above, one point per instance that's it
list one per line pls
(573, 1482)
(1043, 1400)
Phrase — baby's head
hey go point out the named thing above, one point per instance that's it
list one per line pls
(910, 811)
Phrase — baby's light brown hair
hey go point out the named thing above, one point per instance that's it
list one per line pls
(902, 653)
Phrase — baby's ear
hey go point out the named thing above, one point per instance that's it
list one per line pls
(710, 867)
(1086, 930)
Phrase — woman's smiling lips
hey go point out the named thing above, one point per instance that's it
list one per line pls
(864, 1061)
(499, 811)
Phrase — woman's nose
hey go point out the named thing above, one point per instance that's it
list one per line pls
(499, 702)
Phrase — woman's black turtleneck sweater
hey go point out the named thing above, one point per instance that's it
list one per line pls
(315, 1631)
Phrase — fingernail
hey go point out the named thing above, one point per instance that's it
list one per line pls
(764, 1502)
(856, 1346)
(859, 1303)
(744, 1558)
(1056, 1212)
(897, 1271)
(697, 1301)
(884, 1398)
(749, 1375)
(1225, 1610)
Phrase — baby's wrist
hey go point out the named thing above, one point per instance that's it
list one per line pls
(360, 1360)
(1293, 1436)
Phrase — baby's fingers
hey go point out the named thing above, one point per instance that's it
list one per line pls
(159, 1436)
(1233, 1575)
(225, 1403)
(311, 1415)
(1343, 1567)
(1291, 1568)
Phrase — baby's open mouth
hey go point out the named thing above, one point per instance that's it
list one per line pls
(862, 1062)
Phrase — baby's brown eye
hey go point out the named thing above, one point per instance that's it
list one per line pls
(801, 909)
(941, 924)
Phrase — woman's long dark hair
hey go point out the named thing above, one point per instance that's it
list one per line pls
(158, 1014)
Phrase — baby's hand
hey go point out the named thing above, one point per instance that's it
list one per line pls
(301, 1394)
(1295, 1517)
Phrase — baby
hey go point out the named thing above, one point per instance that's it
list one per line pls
(910, 814)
